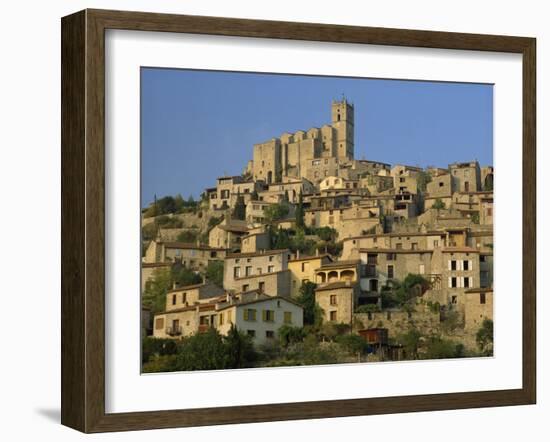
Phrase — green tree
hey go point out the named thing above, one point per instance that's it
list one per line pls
(411, 342)
(484, 337)
(438, 204)
(276, 212)
(154, 295)
(300, 223)
(352, 343)
(412, 286)
(189, 236)
(439, 348)
(313, 314)
(183, 276)
(214, 272)
(239, 349)
(239, 212)
(290, 335)
(475, 217)
(179, 203)
(422, 180)
(202, 351)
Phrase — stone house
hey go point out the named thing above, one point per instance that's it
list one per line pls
(302, 269)
(193, 256)
(224, 195)
(255, 242)
(254, 313)
(255, 211)
(478, 306)
(337, 300)
(228, 234)
(466, 177)
(486, 210)
(440, 188)
(266, 271)
(258, 315)
(188, 310)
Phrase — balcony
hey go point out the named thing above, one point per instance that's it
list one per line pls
(174, 331)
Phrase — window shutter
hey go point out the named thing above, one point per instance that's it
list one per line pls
(450, 279)
(264, 315)
(471, 281)
(460, 265)
(245, 314)
(460, 281)
(470, 265)
(449, 269)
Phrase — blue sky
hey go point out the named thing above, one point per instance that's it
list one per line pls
(198, 125)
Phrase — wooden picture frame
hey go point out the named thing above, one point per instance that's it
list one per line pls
(83, 220)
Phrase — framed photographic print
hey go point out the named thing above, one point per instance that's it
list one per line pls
(268, 221)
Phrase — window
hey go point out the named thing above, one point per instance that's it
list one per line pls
(441, 184)
(221, 319)
(245, 287)
(454, 299)
(268, 315)
(453, 265)
(270, 258)
(390, 256)
(333, 315)
(249, 314)
(414, 246)
(482, 299)
(174, 299)
(304, 266)
(270, 269)
(236, 272)
(401, 180)
(288, 317)
(184, 297)
(399, 246)
(372, 258)
(454, 281)
(261, 286)
(269, 334)
(466, 282)
(159, 323)
(333, 300)
(390, 272)
(251, 333)
(465, 265)
(248, 270)
(436, 243)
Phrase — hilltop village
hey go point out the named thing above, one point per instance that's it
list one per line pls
(311, 250)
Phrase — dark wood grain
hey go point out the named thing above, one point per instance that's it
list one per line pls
(73, 128)
(83, 220)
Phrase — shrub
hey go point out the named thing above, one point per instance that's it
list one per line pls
(352, 343)
(367, 308)
(438, 204)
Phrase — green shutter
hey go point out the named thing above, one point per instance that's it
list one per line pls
(264, 315)
(245, 314)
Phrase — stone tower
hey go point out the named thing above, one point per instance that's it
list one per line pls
(343, 123)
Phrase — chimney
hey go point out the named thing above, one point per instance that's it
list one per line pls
(174, 285)
(316, 252)
(298, 254)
